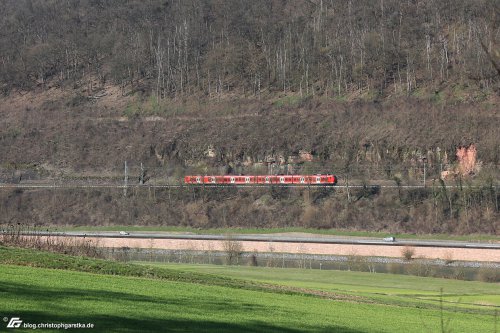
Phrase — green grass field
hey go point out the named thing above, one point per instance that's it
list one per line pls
(331, 232)
(378, 287)
(45, 287)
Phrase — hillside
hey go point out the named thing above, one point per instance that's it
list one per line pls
(213, 48)
(357, 83)
(375, 92)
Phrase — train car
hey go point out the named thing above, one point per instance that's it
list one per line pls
(324, 180)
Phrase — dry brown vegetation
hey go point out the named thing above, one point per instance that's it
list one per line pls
(212, 48)
(433, 210)
(233, 250)
(376, 141)
(408, 252)
(27, 236)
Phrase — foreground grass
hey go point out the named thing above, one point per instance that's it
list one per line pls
(330, 232)
(179, 299)
(378, 287)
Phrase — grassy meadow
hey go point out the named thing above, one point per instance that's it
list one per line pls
(378, 287)
(46, 287)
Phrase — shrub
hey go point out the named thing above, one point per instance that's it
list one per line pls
(408, 252)
(27, 236)
(233, 250)
(488, 274)
(394, 268)
(420, 267)
(253, 261)
(448, 258)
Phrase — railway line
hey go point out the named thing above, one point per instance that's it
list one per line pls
(119, 186)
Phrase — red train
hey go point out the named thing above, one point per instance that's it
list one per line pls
(263, 180)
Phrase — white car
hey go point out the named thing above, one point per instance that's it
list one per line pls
(124, 233)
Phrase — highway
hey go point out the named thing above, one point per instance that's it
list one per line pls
(269, 238)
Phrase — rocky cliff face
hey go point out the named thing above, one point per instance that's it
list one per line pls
(367, 140)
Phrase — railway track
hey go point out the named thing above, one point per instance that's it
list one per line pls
(117, 186)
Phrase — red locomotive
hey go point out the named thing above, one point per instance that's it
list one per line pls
(263, 180)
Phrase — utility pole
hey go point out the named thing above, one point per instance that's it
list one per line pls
(141, 178)
(424, 160)
(347, 187)
(125, 181)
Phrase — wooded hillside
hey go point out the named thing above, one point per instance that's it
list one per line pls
(180, 47)
(382, 92)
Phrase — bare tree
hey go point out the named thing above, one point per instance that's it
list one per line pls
(233, 250)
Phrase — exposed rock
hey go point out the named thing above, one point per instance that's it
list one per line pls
(467, 159)
(210, 152)
(305, 156)
(468, 165)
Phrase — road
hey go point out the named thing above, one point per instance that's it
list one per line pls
(270, 238)
(315, 245)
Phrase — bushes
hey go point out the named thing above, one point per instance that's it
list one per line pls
(233, 250)
(220, 207)
(408, 253)
(15, 235)
(488, 274)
